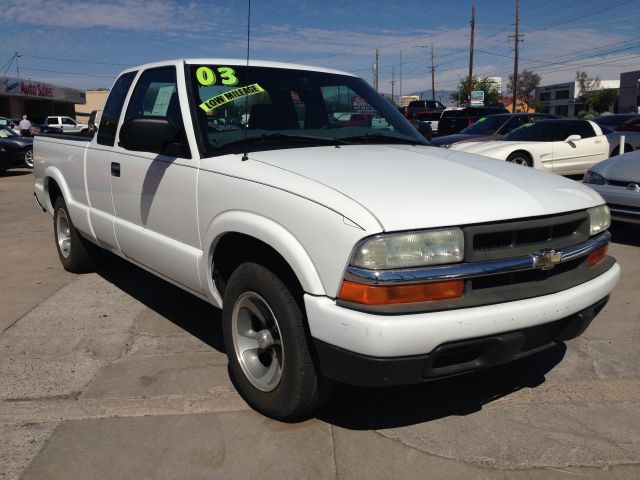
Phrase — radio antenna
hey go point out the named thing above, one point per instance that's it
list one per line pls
(245, 157)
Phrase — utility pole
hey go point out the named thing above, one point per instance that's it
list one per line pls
(433, 77)
(473, 30)
(400, 94)
(517, 40)
(376, 73)
(393, 84)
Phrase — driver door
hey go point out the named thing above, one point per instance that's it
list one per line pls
(577, 156)
(154, 194)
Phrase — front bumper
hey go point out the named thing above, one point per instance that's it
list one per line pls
(420, 333)
(451, 358)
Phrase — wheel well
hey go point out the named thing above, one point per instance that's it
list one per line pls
(524, 153)
(627, 148)
(54, 191)
(235, 248)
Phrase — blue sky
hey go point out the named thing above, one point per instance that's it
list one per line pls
(84, 44)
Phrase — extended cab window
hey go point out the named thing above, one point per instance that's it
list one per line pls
(113, 108)
(155, 108)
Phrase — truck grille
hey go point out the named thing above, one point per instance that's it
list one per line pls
(512, 239)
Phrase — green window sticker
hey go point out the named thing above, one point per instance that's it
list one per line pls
(206, 76)
(526, 125)
(230, 96)
(480, 120)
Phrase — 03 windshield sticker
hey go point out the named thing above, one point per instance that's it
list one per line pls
(206, 76)
(230, 96)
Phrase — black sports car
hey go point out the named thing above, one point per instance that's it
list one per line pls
(15, 151)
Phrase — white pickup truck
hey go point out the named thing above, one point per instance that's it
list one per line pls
(338, 251)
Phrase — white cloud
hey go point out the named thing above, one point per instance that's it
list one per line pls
(147, 15)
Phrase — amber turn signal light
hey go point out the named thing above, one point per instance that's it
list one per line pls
(394, 294)
(597, 256)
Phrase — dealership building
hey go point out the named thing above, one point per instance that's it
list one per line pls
(20, 96)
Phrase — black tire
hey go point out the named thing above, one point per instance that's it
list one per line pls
(76, 254)
(299, 389)
(28, 157)
(616, 151)
(520, 158)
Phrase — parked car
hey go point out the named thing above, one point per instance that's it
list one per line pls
(15, 150)
(614, 120)
(8, 123)
(423, 126)
(94, 121)
(431, 118)
(614, 137)
(455, 120)
(491, 127)
(568, 147)
(423, 105)
(353, 253)
(631, 125)
(618, 181)
(66, 124)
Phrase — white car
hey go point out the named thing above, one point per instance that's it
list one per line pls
(618, 181)
(566, 146)
(66, 124)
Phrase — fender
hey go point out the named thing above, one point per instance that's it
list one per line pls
(78, 211)
(267, 231)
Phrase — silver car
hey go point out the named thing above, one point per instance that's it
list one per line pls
(617, 179)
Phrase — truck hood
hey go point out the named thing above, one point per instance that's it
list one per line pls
(409, 187)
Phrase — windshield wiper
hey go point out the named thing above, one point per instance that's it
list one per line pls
(381, 137)
(269, 137)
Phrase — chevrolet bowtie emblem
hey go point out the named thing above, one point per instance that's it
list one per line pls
(547, 259)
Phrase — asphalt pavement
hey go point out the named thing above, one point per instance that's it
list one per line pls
(118, 375)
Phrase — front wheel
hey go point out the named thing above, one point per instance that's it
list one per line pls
(520, 158)
(28, 157)
(267, 346)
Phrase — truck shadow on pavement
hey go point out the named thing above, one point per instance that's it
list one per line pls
(350, 407)
(357, 408)
(188, 312)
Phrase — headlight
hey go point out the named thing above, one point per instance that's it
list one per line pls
(412, 249)
(600, 218)
(594, 178)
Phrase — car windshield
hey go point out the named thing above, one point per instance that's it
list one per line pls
(542, 131)
(268, 108)
(485, 125)
(7, 133)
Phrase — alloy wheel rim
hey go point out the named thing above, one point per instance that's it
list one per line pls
(257, 341)
(28, 158)
(63, 234)
(520, 161)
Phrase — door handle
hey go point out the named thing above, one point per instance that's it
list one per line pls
(115, 169)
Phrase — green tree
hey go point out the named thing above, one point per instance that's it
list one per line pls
(489, 87)
(527, 84)
(586, 84)
(601, 99)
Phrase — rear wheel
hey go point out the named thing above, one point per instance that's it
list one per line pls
(76, 254)
(267, 345)
(520, 158)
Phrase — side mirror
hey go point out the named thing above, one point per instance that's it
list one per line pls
(572, 138)
(153, 135)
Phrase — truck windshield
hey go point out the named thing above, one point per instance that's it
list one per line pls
(268, 108)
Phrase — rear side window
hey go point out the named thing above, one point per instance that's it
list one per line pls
(156, 95)
(113, 108)
(52, 121)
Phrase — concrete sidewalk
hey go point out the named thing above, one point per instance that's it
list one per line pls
(118, 375)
